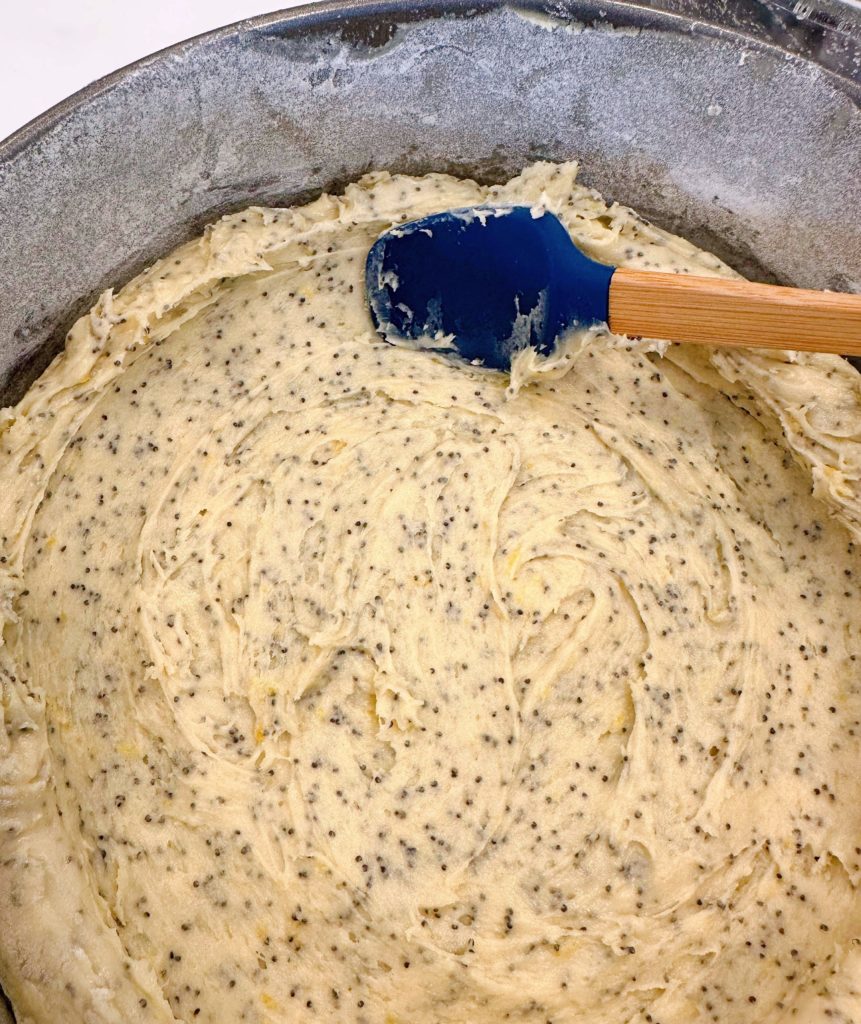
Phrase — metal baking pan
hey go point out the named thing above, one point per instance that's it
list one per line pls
(736, 124)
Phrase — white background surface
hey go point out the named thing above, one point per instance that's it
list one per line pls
(52, 48)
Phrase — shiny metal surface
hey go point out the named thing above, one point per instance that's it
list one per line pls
(736, 123)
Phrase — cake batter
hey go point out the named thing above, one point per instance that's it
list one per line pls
(346, 682)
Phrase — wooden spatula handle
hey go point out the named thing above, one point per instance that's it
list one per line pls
(715, 311)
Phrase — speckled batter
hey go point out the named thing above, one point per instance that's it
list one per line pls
(343, 682)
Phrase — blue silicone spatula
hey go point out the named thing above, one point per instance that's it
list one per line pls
(495, 280)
